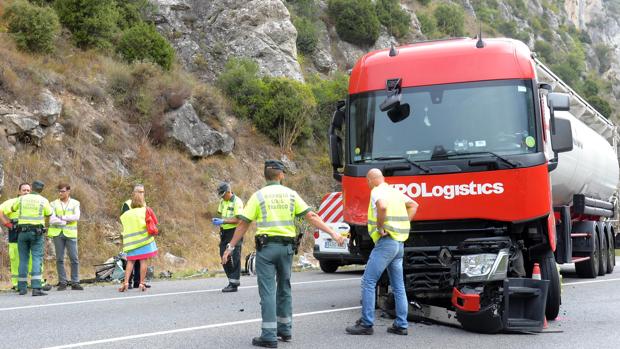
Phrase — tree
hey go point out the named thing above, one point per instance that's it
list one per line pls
(307, 35)
(450, 19)
(601, 105)
(240, 82)
(143, 42)
(393, 17)
(33, 28)
(93, 23)
(356, 21)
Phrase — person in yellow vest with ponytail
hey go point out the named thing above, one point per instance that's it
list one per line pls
(63, 230)
(390, 213)
(137, 243)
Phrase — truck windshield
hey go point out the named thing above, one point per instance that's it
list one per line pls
(477, 117)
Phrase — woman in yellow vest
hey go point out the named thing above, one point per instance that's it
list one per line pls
(137, 243)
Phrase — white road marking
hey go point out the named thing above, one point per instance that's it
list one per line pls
(188, 329)
(159, 295)
(590, 282)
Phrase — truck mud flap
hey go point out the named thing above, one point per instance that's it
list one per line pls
(523, 309)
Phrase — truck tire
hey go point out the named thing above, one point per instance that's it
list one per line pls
(603, 257)
(328, 267)
(611, 252)
(589, 268)
(549, 271)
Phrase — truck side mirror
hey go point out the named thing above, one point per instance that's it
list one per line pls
(335, 154)
(562, 139)
(559, 101)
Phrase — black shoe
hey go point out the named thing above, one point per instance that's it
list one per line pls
(46, 287)
(61, 287)
(260, 342)
(77, 287)
(23, 291)
(131, 286)
(360, 328)
(397, 330)
(230, 288)
(37, 292)
(285, 337)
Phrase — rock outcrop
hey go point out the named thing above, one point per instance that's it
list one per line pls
(184, 127)
(206, 34)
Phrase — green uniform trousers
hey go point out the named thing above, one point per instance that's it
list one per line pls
(14, 260)
(273, 271)
(30, 243)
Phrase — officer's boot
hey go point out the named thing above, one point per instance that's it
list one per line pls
(37, 292)
(230, 288)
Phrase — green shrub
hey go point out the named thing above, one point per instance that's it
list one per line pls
(307, 35)
(305, 8)
(327, 92)
(133, 12)
(450, 19)
(143, 42)
(393, 17)
(240, 82)
(356, 21)
(93, 23)
(428, 25)
(589, 88)
(545, 51)
(33, 28)
(601, 105)
(604, 55)
(424, 2)
(286, 112)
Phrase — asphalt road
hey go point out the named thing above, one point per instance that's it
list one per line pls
(195, 314)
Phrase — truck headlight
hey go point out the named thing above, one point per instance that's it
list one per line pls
(484, 266)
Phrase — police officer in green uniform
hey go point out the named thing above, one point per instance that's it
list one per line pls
(274, 208)
(32, 209)
(229, 208)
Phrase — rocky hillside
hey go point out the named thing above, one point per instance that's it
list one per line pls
(104, 112)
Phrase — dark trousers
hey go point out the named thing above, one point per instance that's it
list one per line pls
(233, 267)
(135, 275)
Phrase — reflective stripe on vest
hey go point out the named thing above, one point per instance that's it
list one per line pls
(70, 229)
(227, 210)
(31, 210)
(396, 223)
(277, 207)
(135, 234)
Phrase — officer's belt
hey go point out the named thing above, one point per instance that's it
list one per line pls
(30, 227)
(284, 240)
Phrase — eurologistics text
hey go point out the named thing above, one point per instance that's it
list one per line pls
(450, 191)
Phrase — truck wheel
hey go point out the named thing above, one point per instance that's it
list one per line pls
(549, 271)
(602, 259)
(328, 266)
(611, 253)
(589, 268)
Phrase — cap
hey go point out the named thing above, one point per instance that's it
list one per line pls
(38, 186)
(222, 188)
(275, 164)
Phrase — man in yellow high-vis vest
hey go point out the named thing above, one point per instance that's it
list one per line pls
(390, 213)
(275, 208)
(229, 208)
(32, 209)
(63, 230)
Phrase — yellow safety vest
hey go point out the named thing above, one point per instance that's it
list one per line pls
(135, 234)
(229, 209)
(6, 206)
(397, 223)
(274, 208)
(32, 209)
(70, 229)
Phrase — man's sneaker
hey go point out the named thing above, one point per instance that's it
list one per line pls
(61, 287)
(360, 328)
(77, 287)
(285, 337)
(37, 292)
(46, 287)
(23, 291)
(230, 288)
(260, 342)
(397, 330)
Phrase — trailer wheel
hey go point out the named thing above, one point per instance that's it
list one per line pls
(328, 266)
(589, 268)
(611, 252)
(549, 271)
(602, 259)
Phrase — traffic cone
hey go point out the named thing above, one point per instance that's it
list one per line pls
(536, 276)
